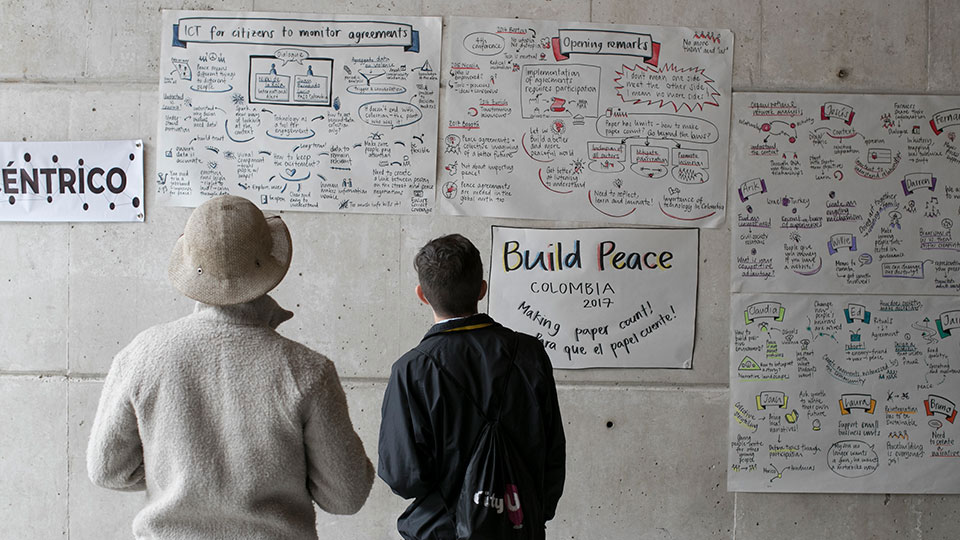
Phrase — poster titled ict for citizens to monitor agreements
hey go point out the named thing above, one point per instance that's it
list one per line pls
(605, 297)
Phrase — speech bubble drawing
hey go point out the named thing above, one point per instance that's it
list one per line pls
(666, 85)
(852, 459)
(484, 43)
(658, 126)
(935, 423)
(392, 114)
(291, 55)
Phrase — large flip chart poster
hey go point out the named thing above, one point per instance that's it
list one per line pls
(585, 121)
(844, 393)
(299, 112)
(845, 360)
(599, 297)
(846, 193)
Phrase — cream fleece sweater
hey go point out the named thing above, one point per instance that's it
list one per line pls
(230, 428)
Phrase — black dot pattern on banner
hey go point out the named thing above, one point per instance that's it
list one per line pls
(26, 157)
(49, 198)
(86, 207)
(80, 161)
(56, 158)
(12, 199)
(131, 157)
(136, 202)
(113, 206)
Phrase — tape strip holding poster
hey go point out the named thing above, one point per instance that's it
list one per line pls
(599, 297)
(71, 181)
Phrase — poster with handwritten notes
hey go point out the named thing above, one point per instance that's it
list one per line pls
(585, 121)
(845, 319)
(299, 111)
(841, 393)
(845, 193)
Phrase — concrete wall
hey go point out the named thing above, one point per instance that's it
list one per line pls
(71, 295)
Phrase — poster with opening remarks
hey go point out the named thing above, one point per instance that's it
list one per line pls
(599, 297)
(844, 393)
(845, 355)
(845, 193)
(299, 111)
(585, 121)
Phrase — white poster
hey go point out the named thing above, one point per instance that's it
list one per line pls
(299, 112)
(599, 297)
(71, 181)
(848, 384)
(585, 121)
(845, 193)
(839, 393)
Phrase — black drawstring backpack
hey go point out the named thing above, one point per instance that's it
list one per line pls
(498, 498)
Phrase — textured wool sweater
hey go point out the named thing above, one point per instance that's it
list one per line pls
(231, 428)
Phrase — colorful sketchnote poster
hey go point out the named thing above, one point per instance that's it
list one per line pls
(599, 297)
(585, 121)
(299, 111)
(71, 181)
(849, 203)
(840, 393)
(845, 193)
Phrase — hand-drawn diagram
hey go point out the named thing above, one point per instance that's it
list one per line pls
(839, 393)
(588, 122)
(846, 193)
(848, 201)
(299, 112)
(603, 297)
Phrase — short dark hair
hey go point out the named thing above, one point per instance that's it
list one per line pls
(451, 274)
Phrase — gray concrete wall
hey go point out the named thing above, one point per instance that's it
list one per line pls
(71, 295)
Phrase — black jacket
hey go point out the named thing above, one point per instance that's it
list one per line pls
(429, 427)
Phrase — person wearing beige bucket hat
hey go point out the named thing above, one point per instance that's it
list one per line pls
(230, 253)
(232, 429)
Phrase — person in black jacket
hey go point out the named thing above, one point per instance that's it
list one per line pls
(429, 426)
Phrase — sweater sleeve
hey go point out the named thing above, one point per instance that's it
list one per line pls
(115, 451)
(339, 474)
(404, 447)
(556, 450)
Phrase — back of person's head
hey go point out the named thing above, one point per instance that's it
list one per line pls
(451, 275)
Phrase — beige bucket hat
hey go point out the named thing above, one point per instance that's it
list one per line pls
(230, 253)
